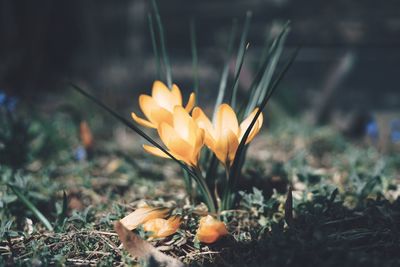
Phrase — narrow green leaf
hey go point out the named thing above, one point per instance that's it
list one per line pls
(195, 62)
(64, 206)
(263, 78)
(236, 166)
(164, 53)
(225, 73)
(240, 57)
(155, 47)
(289, 208)
(236, 80)
(32, 207)
(212, 171)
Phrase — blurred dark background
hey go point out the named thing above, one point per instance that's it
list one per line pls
(349, 58)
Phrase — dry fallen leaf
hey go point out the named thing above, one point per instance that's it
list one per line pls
(142, 249)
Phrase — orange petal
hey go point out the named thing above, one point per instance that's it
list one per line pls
(191, 102)
(177, 94)
(226, 119)
(204, 122)
(175, 143)
(226, 146)
(141, 215)
(256, 128)
(147, 105)
(162, 228)
(183, 124)
(155, 151)
(142, 122)
(200, 138)
(86, 135)
(163, 96)
(210, 230)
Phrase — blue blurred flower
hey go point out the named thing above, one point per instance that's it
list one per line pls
(80, 153)
(395, 130)
(11, 103)
(3, 98)
(372, 130)
(8, 102)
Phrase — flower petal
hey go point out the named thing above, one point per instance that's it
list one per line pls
(162, 228)
(204, 123)
(177, 94)
(210, 230)
(226, 146)
(226, 119)
(142, 122)
(191, 102)
(184, 125)
(246, 123)
(141, 215)
(174, 142)
(155, 151)
(153, 112)
(200, 137)
(163, 96)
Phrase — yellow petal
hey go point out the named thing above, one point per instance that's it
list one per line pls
(142, 122)
(142, 215)
(177, 94)
(226, 146)
(204, 122)
(163, 96)
(155, 151)
(175, 143)
(147, 105)
(184, 125)
(161, 115)
(191, 102)
(153, 112)
(256, 128)
(160, 228)
(210, 230)
(200, 137)
(226, 119)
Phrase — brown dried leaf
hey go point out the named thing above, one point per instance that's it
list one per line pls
(143, 250)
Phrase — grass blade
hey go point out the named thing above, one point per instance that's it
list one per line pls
(195, 62)
(32, 207)
(225, 72)
(195, 176)
(236, 166)
(236, 81)
(240, 57)
(164, 53)
(258, 89)
(154, 45)
(212, 171)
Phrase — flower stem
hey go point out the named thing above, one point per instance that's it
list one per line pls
(205, 191)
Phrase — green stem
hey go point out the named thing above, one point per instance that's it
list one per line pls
(32, 207)
(205, 190)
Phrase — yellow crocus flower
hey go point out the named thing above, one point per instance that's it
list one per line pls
(210, 230)
(184, 139)
(159, 107)
(142, 215)
(160, 228)
(224, 136)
